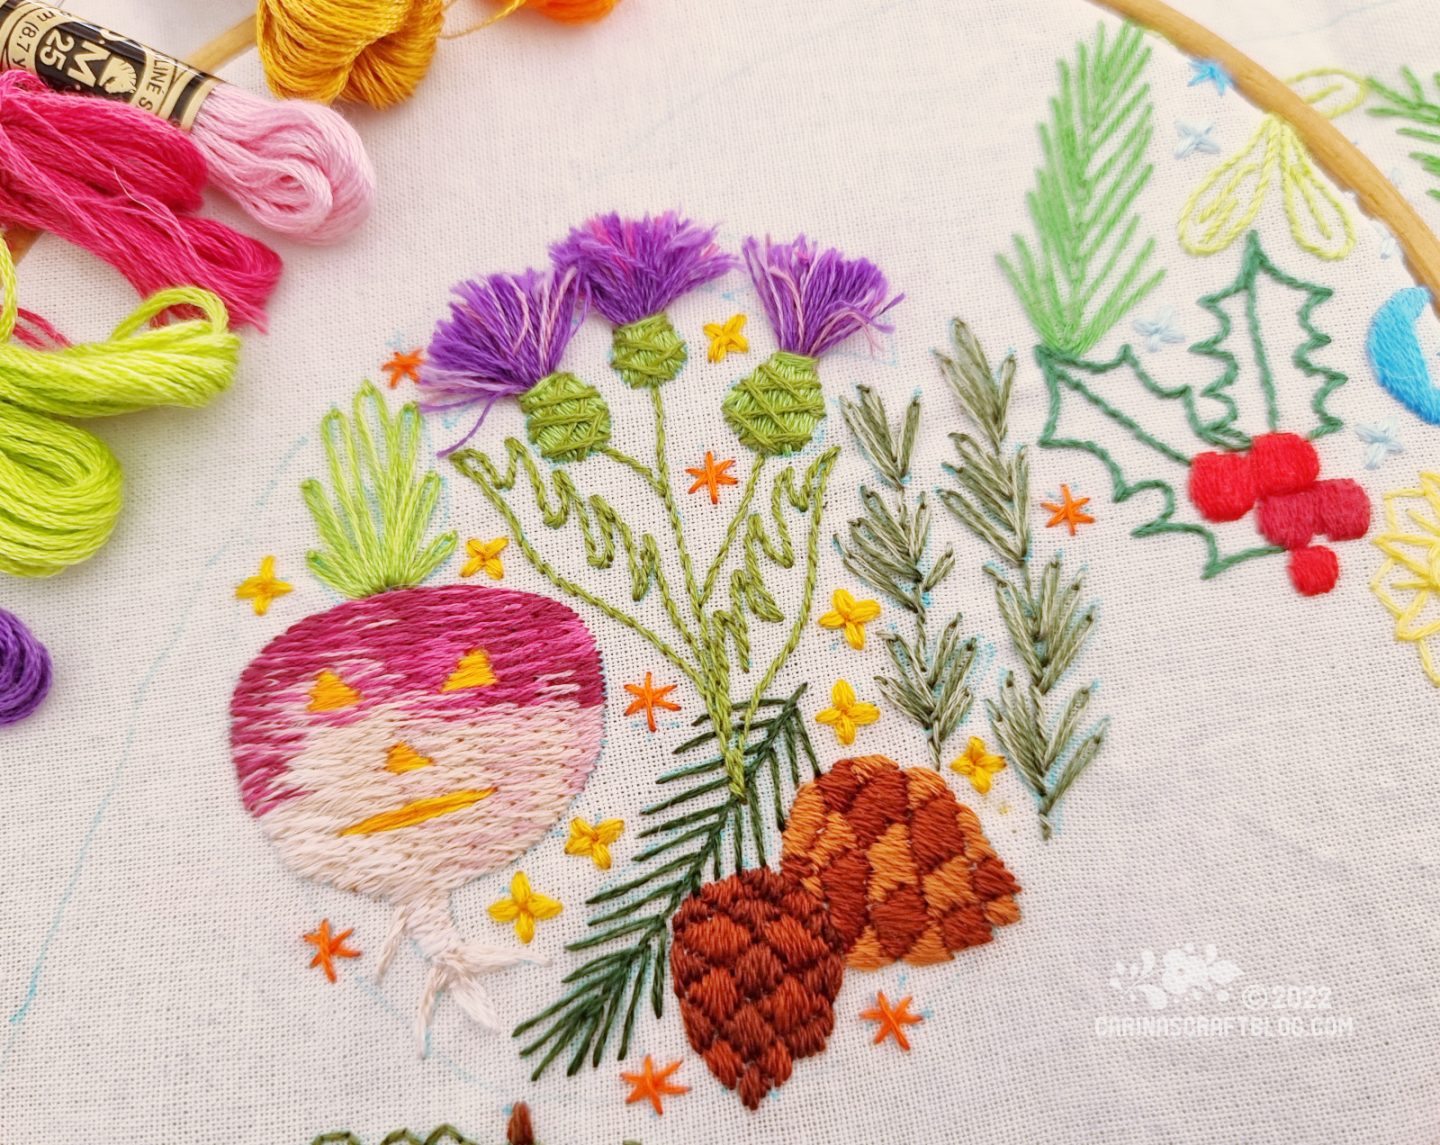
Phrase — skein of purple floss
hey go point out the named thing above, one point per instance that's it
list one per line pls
(24, 670)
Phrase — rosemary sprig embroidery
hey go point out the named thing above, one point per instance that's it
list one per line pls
(1085, 268)
(885, 547)
(1413, 105)
(1047, 619)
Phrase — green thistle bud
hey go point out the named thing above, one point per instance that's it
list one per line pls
(648, 353)
(565, 418)
(775, 410)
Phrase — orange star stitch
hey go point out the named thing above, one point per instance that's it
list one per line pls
(329, 947)
(651, 1086)
(712, 476)
(892, 1020)
(648, 698)
(1069, 513)
(404, 366)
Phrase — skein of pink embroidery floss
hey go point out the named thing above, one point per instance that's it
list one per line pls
(121, 183)
(297, 168)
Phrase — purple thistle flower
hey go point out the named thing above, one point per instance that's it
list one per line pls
(816, 301)
(504, 334)
(635, 268)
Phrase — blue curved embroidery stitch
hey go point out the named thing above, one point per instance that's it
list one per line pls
(1396, 357)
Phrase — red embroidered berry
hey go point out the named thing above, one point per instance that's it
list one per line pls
(1283, 463)
(1342, 509)
(1314, 570)
(1222, 486)
(1289, 520)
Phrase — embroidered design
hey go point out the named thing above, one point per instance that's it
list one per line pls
(1226, 203)
(1195, 137)
(524, 908)
(1159, 331)
(472, 671)
(905, 869)
(711, 476)
(1212, 72)
(1400, 365)
(1084, 271)
(886, 549)
(1213, 414)
(978, 765)
(316, 716)
(1278, 477)
(1423, 113)
(648, 698)
(756, 966)
(402, 758)
(727, 338)
(1048, 621)
(1069, 513)
(485, 557)
(403, 366)
(25, 671)
(329, 947)
(1380, 441)
(1408, 583)
(442, 1135)
(892, 1020)
(850, 616)
(519, 1130)
(263, 588)
(846, 713)
(648, 1085)
(594, 842)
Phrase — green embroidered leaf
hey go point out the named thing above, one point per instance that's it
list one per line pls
(1088, 271)
(1111, 387)
(444, 1135)
(1247, 285)
(1417, 109)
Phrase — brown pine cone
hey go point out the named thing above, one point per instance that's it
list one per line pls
(756, 966)
(905, 868)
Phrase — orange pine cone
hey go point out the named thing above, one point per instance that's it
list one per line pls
(905, 868)
(756, 966)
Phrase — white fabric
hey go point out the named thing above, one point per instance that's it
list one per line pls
(1269, 782)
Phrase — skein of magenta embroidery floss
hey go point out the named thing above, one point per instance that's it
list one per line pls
(296, 168)
(122, 184)
(24, 670)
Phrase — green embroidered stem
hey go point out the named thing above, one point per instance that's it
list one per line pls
(1085, 274)
(1417, 109)
(1048, 625)
(566, 419)
(672, 511)
(374, 534)
(648, 353)
(775, 410)
(687, 845)
(733, 529)
(645, 472)
(886, 550)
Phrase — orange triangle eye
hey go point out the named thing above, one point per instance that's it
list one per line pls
(331, 693)
(473, 671)
(402, 758)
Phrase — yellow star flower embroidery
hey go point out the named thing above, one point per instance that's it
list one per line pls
(847, 713)
(1408, 583)
(727, 338)
(523, 907)
(852, 615)
(594, 841)
(977, 764)
(485, 556)
(262, 588)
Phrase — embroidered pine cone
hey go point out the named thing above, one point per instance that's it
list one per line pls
(756, 966)
(905, 869)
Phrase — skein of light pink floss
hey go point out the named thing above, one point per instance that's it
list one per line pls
(122, 184)
(295, 167)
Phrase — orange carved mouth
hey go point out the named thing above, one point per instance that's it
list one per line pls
(418, 812)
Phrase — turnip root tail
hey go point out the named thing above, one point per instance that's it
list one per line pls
(455, 965)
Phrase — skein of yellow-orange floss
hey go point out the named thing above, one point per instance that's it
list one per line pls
(372, 51)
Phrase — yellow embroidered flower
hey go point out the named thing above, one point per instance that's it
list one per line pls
(847, 714)
(594, 841)
(486, 556)
(852, 615)
(523, 907)
(724, 339)
(977, 764)
(263, 587)
(1408, 583)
